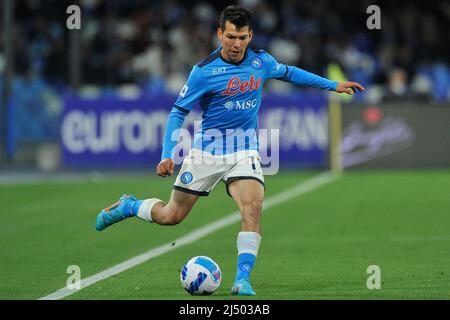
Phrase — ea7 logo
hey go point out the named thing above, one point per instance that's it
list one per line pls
(183, 91)
(219, 70)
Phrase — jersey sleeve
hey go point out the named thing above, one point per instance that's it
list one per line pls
(296, 75)
(194, 88)
(275, 70)
(174, 124)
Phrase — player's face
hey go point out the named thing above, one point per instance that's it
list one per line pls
(234, 41)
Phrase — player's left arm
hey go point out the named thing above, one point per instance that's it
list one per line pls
(349, 87)
(302, 77)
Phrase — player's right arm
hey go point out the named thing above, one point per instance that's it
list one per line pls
(189, 94)
(174, 124)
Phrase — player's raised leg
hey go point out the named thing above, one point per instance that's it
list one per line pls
(249, 195)
(150, 210)
(178, 207)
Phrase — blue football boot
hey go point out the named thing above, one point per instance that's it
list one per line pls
(120, 210)
(242, 288)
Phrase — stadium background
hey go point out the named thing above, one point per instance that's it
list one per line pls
(134, 56)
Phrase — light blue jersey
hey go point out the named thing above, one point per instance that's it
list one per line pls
(230, 96)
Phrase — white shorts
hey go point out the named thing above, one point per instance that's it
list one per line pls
(201, 171)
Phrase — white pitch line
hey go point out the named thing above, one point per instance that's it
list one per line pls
(195, 235)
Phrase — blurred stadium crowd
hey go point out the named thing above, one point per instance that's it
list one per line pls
(153, 44)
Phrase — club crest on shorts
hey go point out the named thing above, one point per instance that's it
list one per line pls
(186, 177)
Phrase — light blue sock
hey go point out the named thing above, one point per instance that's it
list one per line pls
(245, 265)
(135, 207)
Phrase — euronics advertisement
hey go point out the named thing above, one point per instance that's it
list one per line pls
(121, 133)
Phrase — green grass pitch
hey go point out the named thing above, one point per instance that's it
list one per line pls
(315, 246)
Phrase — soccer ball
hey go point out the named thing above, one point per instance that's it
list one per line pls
(201, 275)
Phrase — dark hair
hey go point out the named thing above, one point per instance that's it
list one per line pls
(236, 15)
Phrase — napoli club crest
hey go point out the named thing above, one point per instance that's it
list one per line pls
(186, 177)
(257, 63)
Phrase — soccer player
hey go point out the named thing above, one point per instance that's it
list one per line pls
(228, 85)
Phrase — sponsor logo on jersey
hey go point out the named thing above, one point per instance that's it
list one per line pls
(229, 105)
(236, 85)
(246, 104)
(183, 91)
(241, 105)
